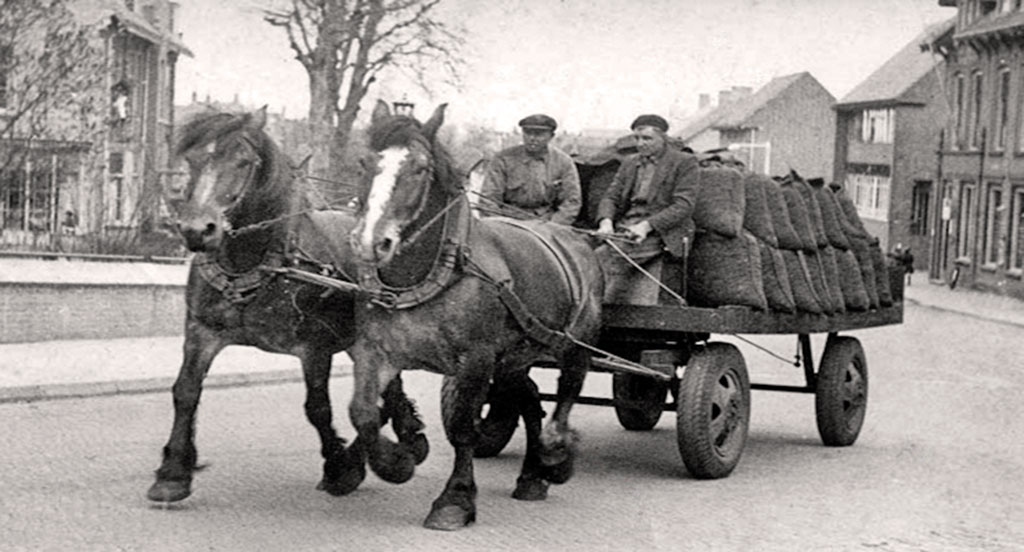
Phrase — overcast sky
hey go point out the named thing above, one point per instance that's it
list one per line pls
(588, 63)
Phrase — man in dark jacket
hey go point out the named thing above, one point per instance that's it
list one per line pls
(653, 193)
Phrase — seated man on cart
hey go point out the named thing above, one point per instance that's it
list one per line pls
(651, 200)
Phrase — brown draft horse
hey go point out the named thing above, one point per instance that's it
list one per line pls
(446, 307)
(242, 213)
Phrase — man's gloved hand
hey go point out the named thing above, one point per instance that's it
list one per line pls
(606, 226)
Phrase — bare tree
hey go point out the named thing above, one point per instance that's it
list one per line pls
(48, 65)
(345, 44)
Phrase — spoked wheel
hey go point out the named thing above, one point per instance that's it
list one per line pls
(498, 421)
(841, 399)
(639, 401)
(713, 411)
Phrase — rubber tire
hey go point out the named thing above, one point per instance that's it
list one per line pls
(841, 398)
(714, 389)
(648, 392)
(496, 429)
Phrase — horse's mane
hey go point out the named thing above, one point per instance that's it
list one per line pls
(208, 128)
(402, 131)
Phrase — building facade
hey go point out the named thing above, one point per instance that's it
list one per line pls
(788, 124)
(888, 130)
(979, 214)
(96, 162)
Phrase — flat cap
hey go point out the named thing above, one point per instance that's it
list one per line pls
(651, 120)
(538, 121)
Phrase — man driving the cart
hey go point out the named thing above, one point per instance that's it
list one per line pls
(650, 201)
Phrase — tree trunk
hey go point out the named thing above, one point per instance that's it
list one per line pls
(322, 99)
(339, 143)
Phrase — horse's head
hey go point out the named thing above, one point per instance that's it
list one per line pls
(230, 160)
(397, 184)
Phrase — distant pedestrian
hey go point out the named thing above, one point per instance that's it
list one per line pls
(535, 178)
(908, 264)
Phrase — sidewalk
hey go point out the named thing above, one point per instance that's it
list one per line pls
(975, 304)
(81, 368)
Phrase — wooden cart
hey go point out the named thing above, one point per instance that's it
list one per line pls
(669, 351)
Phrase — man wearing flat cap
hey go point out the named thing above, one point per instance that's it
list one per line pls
(534, 179)
(652, 196)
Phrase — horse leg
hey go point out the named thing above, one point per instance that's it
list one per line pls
(392, 462)
(405, 421)
(558, 440)
(455, 508)
(531, 484)
(316, 370)
(174, 476)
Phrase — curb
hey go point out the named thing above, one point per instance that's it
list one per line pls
(965, 313)
(56, 391)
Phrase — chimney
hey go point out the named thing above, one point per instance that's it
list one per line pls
(739, 92)
(703, 101)
(724, 97)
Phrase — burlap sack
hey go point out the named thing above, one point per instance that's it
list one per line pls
(813, 211)
(816, 270)
(804, 297)
(721, 200)
(830, 216)
(862, 251)
(852, 283)
(757, 217)
(885, 297)
(784, 232)
(851, 219)
(725, 271)
(827, 257)
(799, 217)
(777, 288)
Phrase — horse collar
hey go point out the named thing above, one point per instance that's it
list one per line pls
(237, 287)
(444, 272)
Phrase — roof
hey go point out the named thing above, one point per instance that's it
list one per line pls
(106, 11)
(894, 78)
(737, 112)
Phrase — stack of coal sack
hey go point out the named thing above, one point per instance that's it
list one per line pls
(786, 245)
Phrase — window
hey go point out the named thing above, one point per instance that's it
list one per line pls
(961, 99)
(116, 204)
(876, 126)
(976, 131)
(919, 204)
(40, 194)
(12, 197)
(1003, 114)
(1017, 231)
(993, 209)
(5, 62)
(870, 195)
(965, 232)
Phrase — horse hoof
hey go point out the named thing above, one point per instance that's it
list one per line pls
(530, 489)
(420, 447)
(344, 484)
(560, 473)
(449, 518)
(397, 472)
(169, 491)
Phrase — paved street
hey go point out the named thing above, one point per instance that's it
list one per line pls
(938, 467)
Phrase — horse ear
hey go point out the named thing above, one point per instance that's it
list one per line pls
(434, 122)
(258, 119)
(380, 111)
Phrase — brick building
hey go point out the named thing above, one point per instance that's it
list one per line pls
(980, 224)
(887, 135)
(99, 163)
(786, 124)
